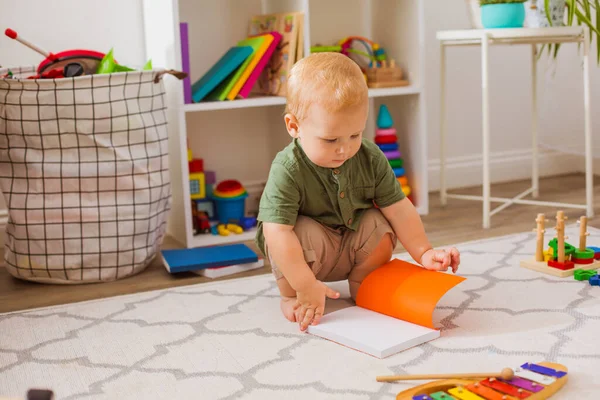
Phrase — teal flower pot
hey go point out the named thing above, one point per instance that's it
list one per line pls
(503, 15)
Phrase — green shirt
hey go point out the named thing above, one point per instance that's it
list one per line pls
(336, 197)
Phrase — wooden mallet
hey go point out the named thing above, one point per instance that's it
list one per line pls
(505, 374)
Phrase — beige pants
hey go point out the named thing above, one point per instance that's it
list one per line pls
(333, 254)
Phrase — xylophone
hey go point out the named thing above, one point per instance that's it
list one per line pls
(529, 381)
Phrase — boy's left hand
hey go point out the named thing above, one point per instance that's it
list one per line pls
(441, 260)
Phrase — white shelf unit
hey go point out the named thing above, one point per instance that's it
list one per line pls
(239, 139)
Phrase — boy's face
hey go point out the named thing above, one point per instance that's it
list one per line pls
(329, 139)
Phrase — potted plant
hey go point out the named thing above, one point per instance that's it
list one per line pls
(550, 13)
(502, 13)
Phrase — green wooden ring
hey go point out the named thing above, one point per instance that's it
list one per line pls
(585, 254)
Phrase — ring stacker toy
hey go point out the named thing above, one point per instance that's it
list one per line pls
(88, 60)
(529, 381)
(562, 259)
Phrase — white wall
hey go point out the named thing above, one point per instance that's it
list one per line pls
(560, 97)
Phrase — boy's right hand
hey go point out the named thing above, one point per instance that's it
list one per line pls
(310, 303)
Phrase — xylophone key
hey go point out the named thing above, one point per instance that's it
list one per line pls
(506, 388)
(442, 396)
(534, 376)
(422, 397)
(487, 393)
(464, 394)
(540, 369)
(525, 384)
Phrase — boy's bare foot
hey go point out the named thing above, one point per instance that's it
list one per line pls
(287, 307)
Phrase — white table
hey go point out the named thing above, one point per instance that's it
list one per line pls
(531, 37)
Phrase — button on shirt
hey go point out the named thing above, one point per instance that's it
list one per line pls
(334, 197)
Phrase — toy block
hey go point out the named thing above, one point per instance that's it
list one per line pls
(566, 265)
(541, 266)
(398, 172)
(388, 146)
(392, 155)
(583, 261)
(197, 186)
(583, 274)
(596, 251)
(247, 222)
(385, 131)
(207, 206)
(196, 165)
(595, 280)
(396, 163)
(569, 248)
(386, 139)
(384, 119)
(211, 177)
(584, 254)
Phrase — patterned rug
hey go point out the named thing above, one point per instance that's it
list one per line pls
(228, 340)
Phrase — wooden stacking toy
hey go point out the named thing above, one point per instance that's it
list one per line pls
(562, 259)
(528, 381)
(387, 140)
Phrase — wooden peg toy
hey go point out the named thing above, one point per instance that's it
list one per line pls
(564, 257)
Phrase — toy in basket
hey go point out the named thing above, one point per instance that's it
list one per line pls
(529, 381)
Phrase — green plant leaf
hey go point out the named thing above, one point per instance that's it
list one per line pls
(547, 10)
(571, 11)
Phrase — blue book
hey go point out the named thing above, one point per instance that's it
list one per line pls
(229, 62)
(181, 260)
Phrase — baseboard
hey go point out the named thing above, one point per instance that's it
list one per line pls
(505, 166)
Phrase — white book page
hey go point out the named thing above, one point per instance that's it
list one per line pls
(370, 332)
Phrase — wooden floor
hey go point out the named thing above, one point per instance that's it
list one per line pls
(459, 221)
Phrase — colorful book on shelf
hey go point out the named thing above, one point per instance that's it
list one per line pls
(274, 77)
(225, 87)
(182, 260)
(256, 57)
(229, 62)
(393, 312)
(185, 62)
(262, 63)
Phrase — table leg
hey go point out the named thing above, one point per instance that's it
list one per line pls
(486, 128)
(589, 176)
(443, 193)
(535, 175)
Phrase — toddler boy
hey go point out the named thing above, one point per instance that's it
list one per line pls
(317, 216)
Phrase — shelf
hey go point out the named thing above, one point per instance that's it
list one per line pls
(512, 35)
(278, 100)
(206, 239)
(230, 104)
(394, 91)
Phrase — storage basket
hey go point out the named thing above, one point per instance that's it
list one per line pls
(84, 171)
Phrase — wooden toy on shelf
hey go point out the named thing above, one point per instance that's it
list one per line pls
(531, 381)
(385, 75)
(562, 259)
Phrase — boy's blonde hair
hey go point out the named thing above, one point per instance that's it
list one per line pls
(332, 80)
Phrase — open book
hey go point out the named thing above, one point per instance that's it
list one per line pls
(393, 312)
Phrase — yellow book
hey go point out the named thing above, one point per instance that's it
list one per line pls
(255, 59)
